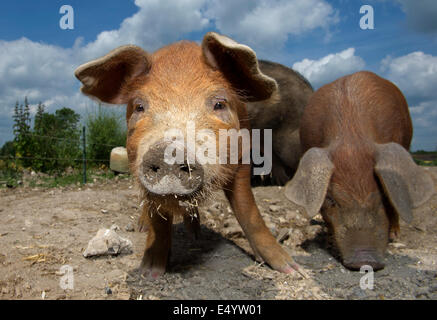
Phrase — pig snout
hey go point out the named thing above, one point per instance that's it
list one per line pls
(364, 257)
(162, 178)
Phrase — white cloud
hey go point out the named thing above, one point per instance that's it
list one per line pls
(259, 23)
(330, 67)
(425, 113)
(158, 22)
(270, 23)
(424, 116)
(415, 74)
(35, 70)
(44, 72)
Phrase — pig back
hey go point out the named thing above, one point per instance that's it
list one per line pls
(361, 106)
(283, 115)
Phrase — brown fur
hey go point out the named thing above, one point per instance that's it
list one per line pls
(349, 118)
(295, 92)
(177, 87)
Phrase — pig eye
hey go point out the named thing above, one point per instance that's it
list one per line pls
(219, 106)
(139, 107)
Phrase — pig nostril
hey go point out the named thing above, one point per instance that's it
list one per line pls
(363, 258)
(154, 168)
(186, 168)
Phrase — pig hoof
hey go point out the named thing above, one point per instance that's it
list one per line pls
(152, 272)
(285, 264)
(153, 267)
(292, 267)
(393, 235)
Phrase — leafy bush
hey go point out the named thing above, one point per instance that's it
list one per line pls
(106, 129)
(53, 143)
(56, 140)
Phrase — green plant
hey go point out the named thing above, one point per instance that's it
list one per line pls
(72, 178)
(105, 130)
(52, 144)
(426, 163)
(22, 141)
(56, 140)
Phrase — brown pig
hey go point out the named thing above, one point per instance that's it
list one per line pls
(356, 169)
(294, 92)
(177, 86)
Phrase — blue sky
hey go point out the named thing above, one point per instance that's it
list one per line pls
(320, 38)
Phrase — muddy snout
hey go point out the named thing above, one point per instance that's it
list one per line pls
(364, 257)
(162, 177)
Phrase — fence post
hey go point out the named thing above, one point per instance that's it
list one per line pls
(84, 154)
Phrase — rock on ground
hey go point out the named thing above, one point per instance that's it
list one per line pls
(107, 242)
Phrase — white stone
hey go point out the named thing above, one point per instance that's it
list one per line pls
(107, 242)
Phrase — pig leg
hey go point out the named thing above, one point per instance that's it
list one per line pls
(192, 223)
(393, 219)
(394, 228)
(262, 241)
(279, 172)
(144, 222)
(158, 243)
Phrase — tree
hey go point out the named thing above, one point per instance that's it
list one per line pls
(8, 150)
(52, 144)
(104, 132)
(8, 168)
(57, 139)
(68, 144)
(68, 120)
(38, 118)
(17, 117)
(22, 141)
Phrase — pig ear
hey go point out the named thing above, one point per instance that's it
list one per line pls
(239, 65)
(405, 183)
(310, 183)
(104, 78)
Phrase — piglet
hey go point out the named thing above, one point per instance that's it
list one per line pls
(177, 89)
(355, 133)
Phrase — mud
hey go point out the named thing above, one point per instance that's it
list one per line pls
(42, 230)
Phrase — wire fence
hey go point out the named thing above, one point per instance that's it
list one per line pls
(63, 139)
(46, 158)
(79, 142)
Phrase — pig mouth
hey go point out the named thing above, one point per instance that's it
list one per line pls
(172, 180)
(164, 178)
(364, 257)
(170, 185)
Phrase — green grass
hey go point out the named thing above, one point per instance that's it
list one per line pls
(426, 163)
(425, 158)
(75, 178)
(9, 178)
(422, 152)
(63, 179)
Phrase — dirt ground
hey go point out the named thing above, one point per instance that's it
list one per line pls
(42, 230)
